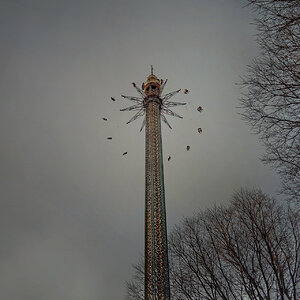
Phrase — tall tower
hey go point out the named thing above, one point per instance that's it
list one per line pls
(153, 106)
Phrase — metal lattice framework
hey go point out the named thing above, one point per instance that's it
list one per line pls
(153, 107)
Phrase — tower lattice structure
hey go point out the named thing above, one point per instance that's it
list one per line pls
(153, 106)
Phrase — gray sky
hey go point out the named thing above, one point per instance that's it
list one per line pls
(72, 206)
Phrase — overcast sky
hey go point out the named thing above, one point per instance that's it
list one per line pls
(72, 207)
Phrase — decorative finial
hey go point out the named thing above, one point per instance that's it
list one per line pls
(151, 70)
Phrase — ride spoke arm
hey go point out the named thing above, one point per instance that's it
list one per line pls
(171, 113)
(136, 116)
(143, 124)
(169, 95)
(165, 120)
(139, 90)
(136, 99)
(171, 104)
(163, 86)
(133, 107)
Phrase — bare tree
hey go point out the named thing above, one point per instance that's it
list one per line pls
(247, 250)
(135, 287)
(271, 104)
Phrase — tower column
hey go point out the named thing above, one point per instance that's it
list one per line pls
(156, 253)
(153, 105)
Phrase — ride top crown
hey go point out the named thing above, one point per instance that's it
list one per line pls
(152, 89)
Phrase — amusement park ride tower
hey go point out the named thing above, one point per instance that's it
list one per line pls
(153, 106)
